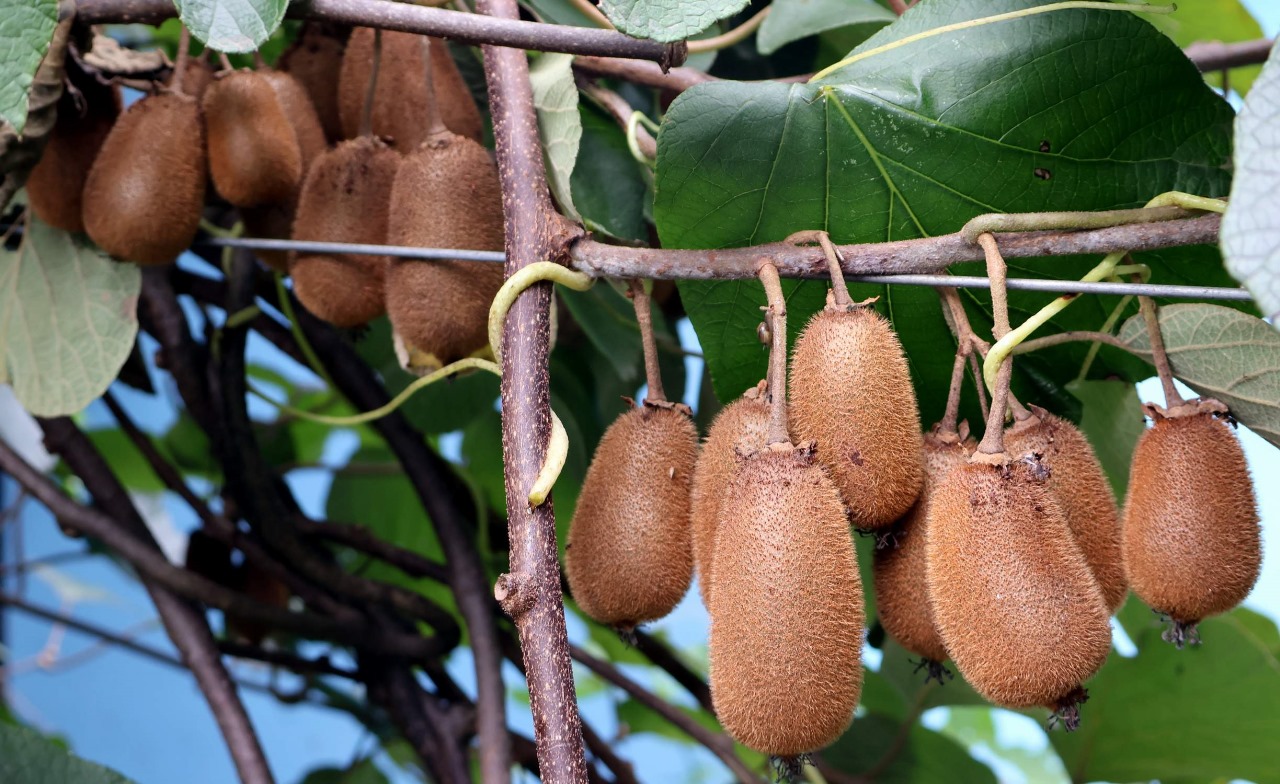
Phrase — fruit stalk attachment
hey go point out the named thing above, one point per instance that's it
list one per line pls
(1158, 355)
(776, 316)
(180, 63)
(366, 113)
(993, 438)
(652, 372)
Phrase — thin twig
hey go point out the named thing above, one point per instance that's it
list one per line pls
(357, 537)
(1158, 355)
(644, 318)
(1216, 56)
(730, 37)
(371, 89)
(951, 416)
(993, 439)
(180, 64)
(1057, 339)
(777, 316)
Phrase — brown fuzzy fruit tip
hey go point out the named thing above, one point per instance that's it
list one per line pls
(902, 592)
(400, 98)
(345, 199)
(446, 195)
(254, 157)
(1192, 544)
(301, 114)
(315, 60)
(56, 184)
(145, 192)
(1012, 594)
(1077, 480)
(739, 429)
(787, 610)
(628, 558)
(851, 393)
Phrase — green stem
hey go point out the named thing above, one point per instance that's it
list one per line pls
(304, 345)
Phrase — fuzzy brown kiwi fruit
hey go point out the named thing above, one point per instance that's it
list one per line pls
(145, 192)
(315, 60)
(1192, 544)
(272, 222)
(738, 429)
(628, 558)
(902, 591)
(1012, 594)
(254, 155)
(197, 75)
(1077, 479)
(301, 114)
(401, 92)
(56, 184)
(786, 609)
(345, 198)
(851, 393)
(446, 195)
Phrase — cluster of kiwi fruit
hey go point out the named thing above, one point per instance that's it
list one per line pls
(1007, 561)
(358, 136)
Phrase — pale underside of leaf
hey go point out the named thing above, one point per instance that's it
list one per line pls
(1224, 354)
(556, 97)
(668, 20)
(26, 30)
(232, 25)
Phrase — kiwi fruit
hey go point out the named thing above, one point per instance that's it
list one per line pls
(271, 222)
(315, 60)
(197, 75)
(902, 591)
(145, 191)
(56, 184)
(345, 198)
(851, 393)
(1192, 543)
(301, 114)
(738, 429)
(1077, 480)
(446, 195)
(786, 611)
(254, 154)
(628, 558)
(1012, 594)
(401, 92)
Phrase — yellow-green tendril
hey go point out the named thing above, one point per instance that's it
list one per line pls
(304, 345)
(633, 143)
(1189, 201)
(557, 452)
(527, 276)
(986, 20)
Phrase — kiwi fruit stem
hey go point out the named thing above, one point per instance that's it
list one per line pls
(776, 313)
(435, 121)
(949, 417)
(366, 113)
(1158, 356)
(993, 439)
(225, 62)
(966, 340)
(652, 373)
(180, 64)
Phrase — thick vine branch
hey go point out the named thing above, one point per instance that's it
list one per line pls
(1217, 56)
(383, 14)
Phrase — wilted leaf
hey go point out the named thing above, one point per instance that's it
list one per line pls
(1251, 228)
(791, 20)
(1221, 353)
(28, 757)
(556, 97)
(668, 20)
(232, 25)
(68, 318)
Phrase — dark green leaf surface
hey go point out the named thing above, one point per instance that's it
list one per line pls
(915, 140)
(608, 184)
(26, 30)
(27, 757)
(925, 756)
(791, 20)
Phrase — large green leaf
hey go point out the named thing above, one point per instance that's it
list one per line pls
(791, 20)
(668, 20)
(873, 745)
(232, 25)
(1251, 228)
(609, 185)
(68, 319)
(1112, 421)
(26, 31)
(1221, 353)
(27, 757)
(1071, 109)
(1199, 714)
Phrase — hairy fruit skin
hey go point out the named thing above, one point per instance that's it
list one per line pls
(740, 428)
(254, 157)
(56, 184)
(1192, 542)
(446, 195)
(902, 590)
(628, 558)
(787, 611)
(1077, 480)
(315, 60)
(301, 114)
(345, 198)
(145, 192)
(851, 394)
(1013, 597)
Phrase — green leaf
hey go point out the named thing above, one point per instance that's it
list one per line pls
(913, 141)
(1112, 422)
(232, 25)
(26, 31)
(68, 319)
(609, 321)
(1214, 20)
(1221, 353)
(925, 756)
(362, 772)
(1201, 713)
(556, 97)
(791, 20)
(899, 668)
(127, 463)
(561, 12)
(1251, 228)
(973, 726)
(638, 717)
(668, 20)
(609, 184)
(27, 757)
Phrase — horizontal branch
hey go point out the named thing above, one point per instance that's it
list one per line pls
(1217, 56)
(455, 25)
